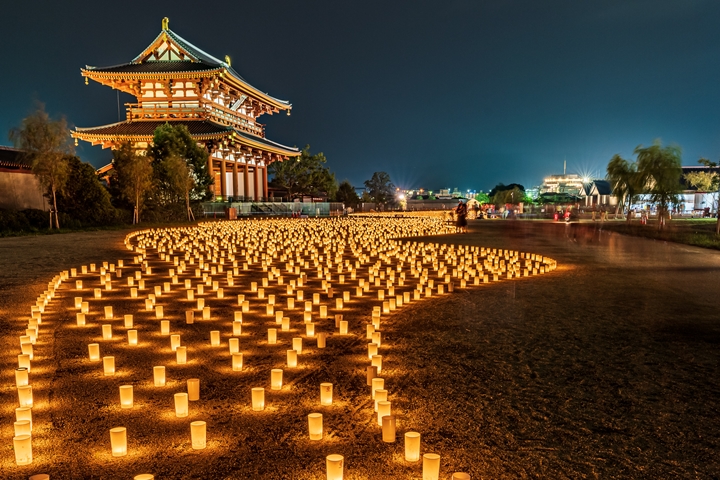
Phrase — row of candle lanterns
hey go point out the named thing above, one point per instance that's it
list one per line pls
(327, 261)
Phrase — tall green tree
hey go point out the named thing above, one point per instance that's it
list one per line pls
(512, 196)
(175, 141)
(84, 198)
(482, 198)
(46, 146)
(624, 181)
(660, 169)
(180, 180)
(347, 195)
(304, 175)
(132, 176)
(380, 188)
(715, 184)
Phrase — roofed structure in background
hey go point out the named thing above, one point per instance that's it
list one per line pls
(19, 188)
(11, 160)
(176, 82)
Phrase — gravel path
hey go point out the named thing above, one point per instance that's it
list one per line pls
(606, 368)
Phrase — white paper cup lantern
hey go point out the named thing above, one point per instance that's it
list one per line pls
(431, 466)
(315, 426)
(377, 384)
(193, 386)
(326, 393)
(291, 358)
(321, 339)
(108, 313)
(377, 362)
(334, 465)
(276, 379)
(159, 376)
(126, 396)
(94, 351)
(189, 316)
(383, 409)
(237, 362)
(118, 441)
(107, 332)
(22, 445)
(285, 321)
(388, 428)
(144, 476)
(258, 399)
(237, 328)
(198, 433)
(132, 337)
(128, 319)
(181, 405)
(234, 345)
(412, 446)
(380, 396)
(215, 338)
(310, 330)
(272, 336)
(25, 396)
(372, 350)
(174, 342)
(22, 427)
(80, 319)
(297, 344)
(85, 307)
(460, 476)
(343, 327)
(21, 377)
(24, 413)
(109, 366)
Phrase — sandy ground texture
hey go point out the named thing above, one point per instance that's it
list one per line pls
(606, 368)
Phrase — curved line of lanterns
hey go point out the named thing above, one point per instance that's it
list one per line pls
(353, 255)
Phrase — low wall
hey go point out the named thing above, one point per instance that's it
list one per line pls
(20, 190)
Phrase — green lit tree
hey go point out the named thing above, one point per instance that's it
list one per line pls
(84, 198)
(659, 169)
(713, 184)
(624, 181)
(132, 176)
(304, 175)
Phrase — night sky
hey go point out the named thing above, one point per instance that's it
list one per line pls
(453, 93)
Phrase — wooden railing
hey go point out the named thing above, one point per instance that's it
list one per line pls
(210, 111)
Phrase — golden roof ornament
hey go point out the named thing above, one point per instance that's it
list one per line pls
(227, 60)
(165, 23)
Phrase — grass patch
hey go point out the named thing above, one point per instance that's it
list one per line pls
(697, 232)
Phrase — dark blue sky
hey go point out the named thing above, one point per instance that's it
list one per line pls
(454, 93)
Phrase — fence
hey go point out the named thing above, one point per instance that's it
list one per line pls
(273, 209)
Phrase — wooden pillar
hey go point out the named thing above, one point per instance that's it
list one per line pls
(223, 179)
(211, 172)
(255, 179)
(236, 190)
(246, 181)
(265, 182)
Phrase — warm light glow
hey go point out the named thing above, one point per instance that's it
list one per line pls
(276, 379)
(21, 377)
(23, 449)
(215, 338)
(109, 366)
(388, 428)
(107, 332)
(315, 426)
(272, 336)
(291, 358)
(193, 386)
(159, 376)
(197, 434)
(237, 362)
(431, 466)
(118, 441)
(25, 396)
(343, 327)
(297, 344)
(181, 405)
(126, 396)
(334, 467)
(258, 399)
(412, 446)
(326, 394)
(382, 410)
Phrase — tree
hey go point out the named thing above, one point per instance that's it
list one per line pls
(46, 145)
(176, 141)
(659, 169)
(305, 175)
(482, 198)
(624, 180)
(380, 188)
(347, 195)
(512, 196)
(133, 177)
(84, 198)
(502, 187)
(714, 185)
(180, 180)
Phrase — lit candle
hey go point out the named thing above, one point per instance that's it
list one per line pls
(80, 319)
(376, 338)
(23, 449)
(297, 344)
(109, 366)
(371, 374)
(189, 316)
(460, 476)
(237, 328)
(85, 307)
(206, 313)
(108, 313)
(94, 351)
(174, 342)
(159, 312)
(343, 327)
(321, 337)
(412, 446)
(291, 358)
(22, 427)
(126, 396)
(315, 426)
(285, 324)
(193, 386)
(380, 396)
(21, 377)
(276, 379)
(237, 362)
(132, 337)
(310, 329)
(377, 362)
(372, 350)
(326, 393)
(165, 327)
(383, 409)
(234, 345)
(431, 466)
(25, 396)
(272, 336)
(388, 428)
(377, 384)
(24, 413)
(118, 441)
(128, 321)
(159, 376)
(107, 332)
(334, 467)
(215, 338)
(258, 399)
(198, 434)
(323, 311)
(181, 405)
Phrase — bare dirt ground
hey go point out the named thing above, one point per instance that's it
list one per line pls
(606, 368)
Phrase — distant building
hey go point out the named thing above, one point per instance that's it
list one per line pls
(570, 183)
(19, 188)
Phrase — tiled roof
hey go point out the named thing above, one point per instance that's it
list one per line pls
(157, 67)
(12, 158)
(133, 129)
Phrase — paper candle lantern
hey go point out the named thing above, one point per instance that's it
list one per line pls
(291, 303)
(377, 362)
(234, 345)
(133, 292)
(189, 316)
(22, 427)
(174, 342)
(388, 428)
(310, 329)
(323, 311)
(21, 377)
(377, 384)
(159, 376)
(460, 476)
(258, 399)
(276, 379)
(200, 303)
(383, 409)
(165, 327)
(159, 312)
(109, 366)
(108, 313)
(84, 307)
(321, 337)
(94, 351)
(107, 332)
(25, 396)
(215, 338)
(315, 426)
(285, 324)
(334, 465)
(144, 476)
(431, 466)
(371, 374)
(272, 336)
(80, 319)
(190, 295)
(237, 362)
(126, 396)
(24, 413)
(132, 337)
(369, 330)
(198, 434)
(376, 338)
(307, 317)
(23, 449)
(326, 393)
(412, 446)
(297, 344)
(206, 313)
(97, 293)
(343, 327)
(128, 319)
(372, 350)
(291, 358)
(181, 405)
(118, 441)
(380, 396)
(193, 386)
